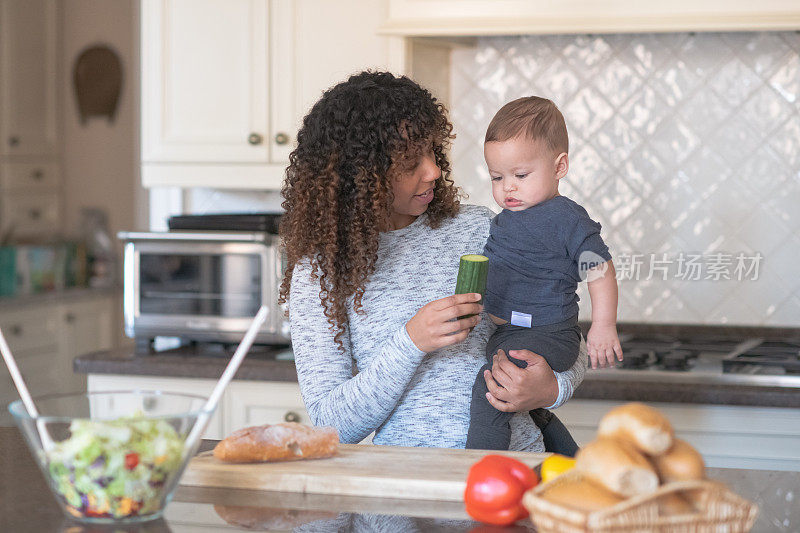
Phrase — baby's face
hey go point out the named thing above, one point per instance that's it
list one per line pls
(523, 172)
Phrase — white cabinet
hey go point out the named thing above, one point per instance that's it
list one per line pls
(85, 327)
(28, 121)
(765, 438)
(252, 403)
(517, 17)
(29, 171)
(46, 336)
(244, 403)
(202, 387)
(205, 81)
(225, 83)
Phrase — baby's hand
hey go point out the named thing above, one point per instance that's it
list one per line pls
(602, 343)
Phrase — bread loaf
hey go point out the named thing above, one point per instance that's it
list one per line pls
(280, 442)
(269, 519)
(618, 466)
(639, 424)
(680, 463)
(583, 495)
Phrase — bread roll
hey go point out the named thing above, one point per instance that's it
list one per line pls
(583, 495)
(681, 463)
(641, 425)
(280, 442)
(618, 466)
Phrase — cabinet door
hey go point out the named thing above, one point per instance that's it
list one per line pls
(204, 81)
(252, 403)
(200, 387)
(32, 335)
(28, 77)
(331, 44)
(85, 327)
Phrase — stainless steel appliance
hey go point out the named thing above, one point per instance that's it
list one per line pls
(202, 285)
(706, 360)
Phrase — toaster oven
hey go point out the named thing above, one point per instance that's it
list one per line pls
(202, 285)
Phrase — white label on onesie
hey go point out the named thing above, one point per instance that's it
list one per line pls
(521, 319)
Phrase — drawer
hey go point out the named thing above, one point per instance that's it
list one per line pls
(30, 215)
(33, 330)
(29, 176)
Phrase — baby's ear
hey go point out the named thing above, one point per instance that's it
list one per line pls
(562, 165)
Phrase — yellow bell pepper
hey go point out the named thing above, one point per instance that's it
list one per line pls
(555, 465)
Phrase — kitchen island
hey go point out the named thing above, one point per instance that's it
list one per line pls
(27, 505)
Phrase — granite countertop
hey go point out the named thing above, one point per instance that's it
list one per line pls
(204, 362)
(27, 505)
(263, 363)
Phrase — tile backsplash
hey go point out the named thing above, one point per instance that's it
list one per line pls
(686, 147)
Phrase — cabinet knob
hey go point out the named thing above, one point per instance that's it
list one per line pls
(291, 416)
(16, 330)
(13, 141)
(255, 139)
(69, 318)
(35, 214)
(37, 174)
(281, 138)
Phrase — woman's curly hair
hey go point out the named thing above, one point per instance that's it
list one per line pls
(362, 134)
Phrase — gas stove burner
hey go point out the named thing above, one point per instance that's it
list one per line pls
(637, 358)
(676, 359)
(769, 357)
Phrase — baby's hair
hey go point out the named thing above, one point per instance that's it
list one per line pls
(533, 117)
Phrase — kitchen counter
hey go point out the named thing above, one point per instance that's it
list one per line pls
(27, 505)
(199, 362)
(262, 365)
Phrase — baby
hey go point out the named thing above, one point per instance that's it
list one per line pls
(540, 247)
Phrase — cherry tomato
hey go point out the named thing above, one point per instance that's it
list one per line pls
(131, 460)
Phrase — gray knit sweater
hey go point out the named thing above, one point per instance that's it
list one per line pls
(383, 382)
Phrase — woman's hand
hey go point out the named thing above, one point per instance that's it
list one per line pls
(434, 327)
(513, 389)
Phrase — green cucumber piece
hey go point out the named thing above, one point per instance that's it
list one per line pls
(472, 271)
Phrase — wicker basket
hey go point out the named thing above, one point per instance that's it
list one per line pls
(717, 510)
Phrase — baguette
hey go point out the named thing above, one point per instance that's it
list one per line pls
(618, 466)
(641, 425)
(681, 463)
(269, 519)
(279, 442)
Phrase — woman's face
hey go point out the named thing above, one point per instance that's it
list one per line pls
(413, 190)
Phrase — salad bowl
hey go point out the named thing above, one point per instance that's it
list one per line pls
(112, 457)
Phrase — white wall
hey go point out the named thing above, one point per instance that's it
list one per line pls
(684, 146)
(101, 158)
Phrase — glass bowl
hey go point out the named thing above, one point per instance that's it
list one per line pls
(112, 457)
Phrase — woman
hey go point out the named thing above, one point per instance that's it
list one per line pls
(373, 231)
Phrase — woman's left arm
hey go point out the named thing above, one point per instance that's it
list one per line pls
(513, 389)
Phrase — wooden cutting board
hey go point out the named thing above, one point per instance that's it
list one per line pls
(358, 470)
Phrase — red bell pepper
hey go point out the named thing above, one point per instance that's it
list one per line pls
(495, 486)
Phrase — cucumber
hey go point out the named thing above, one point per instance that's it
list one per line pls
(472, 270)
